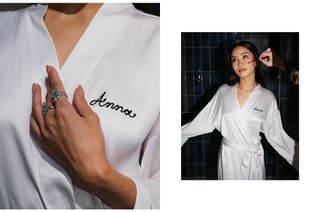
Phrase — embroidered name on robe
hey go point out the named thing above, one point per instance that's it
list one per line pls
(255, 108)
(102, 102)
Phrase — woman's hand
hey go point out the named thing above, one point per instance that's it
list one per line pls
(70, 133)
(72, 136)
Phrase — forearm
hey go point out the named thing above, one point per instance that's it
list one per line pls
(115, 189)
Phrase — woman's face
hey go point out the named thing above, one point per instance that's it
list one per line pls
(243, 62)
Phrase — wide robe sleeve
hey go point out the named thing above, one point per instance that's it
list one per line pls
(277, 137)
(148, 183)
(206, 121)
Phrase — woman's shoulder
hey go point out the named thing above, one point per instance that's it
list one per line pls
(13, 24)
(145, 21)
(267, 94)
(137, 20)
(10, 20)
(146, 16)
(223, 89)
(15, 14)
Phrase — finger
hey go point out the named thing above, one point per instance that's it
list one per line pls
(37, 107)
(80, 103)
(265, 58)
(50, 112)
(54, 79)
(265, 54)
(261, 56)
(48, 95)
(267, 51)
(261, 59)
(56, 83)
(35, 129)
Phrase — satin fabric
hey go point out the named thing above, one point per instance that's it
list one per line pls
(241, 156)
(117, 58)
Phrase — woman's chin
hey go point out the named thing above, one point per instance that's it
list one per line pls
(242, 74)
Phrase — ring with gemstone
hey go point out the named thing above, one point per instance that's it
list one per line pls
(55, 95)
(45, 108)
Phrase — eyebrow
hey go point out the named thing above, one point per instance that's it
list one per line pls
(240, 54)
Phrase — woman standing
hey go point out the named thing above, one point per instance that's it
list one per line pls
(241, 111)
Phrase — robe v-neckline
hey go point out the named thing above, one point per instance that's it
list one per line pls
(78, 44)
(247, 100)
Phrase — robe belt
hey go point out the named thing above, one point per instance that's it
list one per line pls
(250, 159)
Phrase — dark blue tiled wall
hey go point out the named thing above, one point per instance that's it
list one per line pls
(203, 71)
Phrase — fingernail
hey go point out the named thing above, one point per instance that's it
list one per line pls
(34, 87)
(269, 49)
(80, 90)
(48, 68)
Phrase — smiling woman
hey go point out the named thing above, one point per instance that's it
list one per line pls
(240, 111)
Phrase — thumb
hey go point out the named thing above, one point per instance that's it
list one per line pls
(80, 103)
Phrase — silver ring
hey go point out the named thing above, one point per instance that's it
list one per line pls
(55, 95)
(45, 108)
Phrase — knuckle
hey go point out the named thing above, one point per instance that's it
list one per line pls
(50, 122)
(62, 110)
(62, 103)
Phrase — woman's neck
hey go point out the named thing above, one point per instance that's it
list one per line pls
(247, 83)
(70, 11)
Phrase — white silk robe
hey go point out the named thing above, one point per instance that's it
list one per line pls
(241, 155)
(117, 63)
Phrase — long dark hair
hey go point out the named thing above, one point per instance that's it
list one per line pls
(232, 78)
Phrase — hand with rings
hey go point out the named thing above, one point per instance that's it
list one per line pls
(70, 133)
(72, 136)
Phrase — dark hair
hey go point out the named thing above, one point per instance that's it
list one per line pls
(290, 54)
(232, 78)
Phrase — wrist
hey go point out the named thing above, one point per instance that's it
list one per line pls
(99, 175)
(115, 189)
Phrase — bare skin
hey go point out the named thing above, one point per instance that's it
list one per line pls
(271, 59)
(244, 66)
(66, 24)
(71, 133)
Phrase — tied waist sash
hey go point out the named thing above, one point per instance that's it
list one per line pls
(250, 162)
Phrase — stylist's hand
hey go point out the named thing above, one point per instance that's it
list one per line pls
(271, 59)
(70, 133)
(266, 58)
